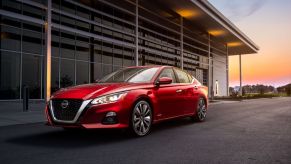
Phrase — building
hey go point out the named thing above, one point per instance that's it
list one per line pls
(50, 44)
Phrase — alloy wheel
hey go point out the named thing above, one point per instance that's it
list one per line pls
(141, 118)
(201, 111)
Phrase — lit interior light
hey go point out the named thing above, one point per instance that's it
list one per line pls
(216, 32)
(234, 44)
(187, 13)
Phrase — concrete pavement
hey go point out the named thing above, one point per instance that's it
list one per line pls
(257, 131)
(11, 112)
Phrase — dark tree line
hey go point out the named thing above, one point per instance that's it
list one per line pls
(285, 89)
(261, 89)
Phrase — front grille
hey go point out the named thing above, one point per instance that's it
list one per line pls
(68, 113)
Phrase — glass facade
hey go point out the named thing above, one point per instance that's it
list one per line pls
(91, 39)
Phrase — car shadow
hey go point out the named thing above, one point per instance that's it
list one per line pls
(65, 139)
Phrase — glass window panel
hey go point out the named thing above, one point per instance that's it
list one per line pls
(67, 7)
(67, 77)
(106, 69)
(97, 30)
(56, 4)
(33, 11)
(82, 51)
(67, 48)
(82, 38)
(32, 42)
(67, 21)
(83, 12)
(97, 17)
(168, 72)
(117, 61)
(107, 53)
(106, 59)
(56, 18)
(55, 75)
(127, 62)
(55, 46)
(82, 72)
(31, 74)
(97, 71)
(11, 6)
(82, 25)
(10, 38)
(97, 56)
(115, 68)
(9, 75)
(182, 76)
(10, 21)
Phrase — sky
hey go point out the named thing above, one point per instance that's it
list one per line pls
(268, 24)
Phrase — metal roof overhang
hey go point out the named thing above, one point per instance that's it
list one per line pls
(205, 16)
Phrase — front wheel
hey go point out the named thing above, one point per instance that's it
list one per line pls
(201, 110)
(141, 119)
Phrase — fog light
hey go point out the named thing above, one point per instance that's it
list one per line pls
(110, 114)
(110, 118)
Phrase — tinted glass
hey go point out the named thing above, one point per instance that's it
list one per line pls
(55, 75)
(31, 74)
(191, 78)
(182, 76)
(168, 72)
(133, 75)
(9, 75)
(82, 72)
(67, 73)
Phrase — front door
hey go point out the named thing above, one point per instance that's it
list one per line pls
(169, 96)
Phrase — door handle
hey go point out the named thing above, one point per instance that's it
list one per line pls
(179, 90)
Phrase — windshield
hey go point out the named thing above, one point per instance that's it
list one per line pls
(132, 75)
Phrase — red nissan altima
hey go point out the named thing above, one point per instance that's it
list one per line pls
(133, 97)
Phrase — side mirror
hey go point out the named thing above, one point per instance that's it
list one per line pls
(164, 80)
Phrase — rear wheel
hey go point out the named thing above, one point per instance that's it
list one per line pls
(141, 119)
(201, 110)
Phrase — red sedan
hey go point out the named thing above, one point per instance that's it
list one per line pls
(133, 97)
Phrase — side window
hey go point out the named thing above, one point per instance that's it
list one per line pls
(168, 72)
(182, 76)
(190, 78)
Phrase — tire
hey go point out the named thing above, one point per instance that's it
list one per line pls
(201, 110)
(141, 119)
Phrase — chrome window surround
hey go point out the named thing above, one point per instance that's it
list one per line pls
(80, 110)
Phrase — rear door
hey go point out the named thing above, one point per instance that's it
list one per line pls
(187, 91)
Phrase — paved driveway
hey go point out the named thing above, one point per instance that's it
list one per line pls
(256, 131)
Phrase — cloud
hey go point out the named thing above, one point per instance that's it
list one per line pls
(237, 10)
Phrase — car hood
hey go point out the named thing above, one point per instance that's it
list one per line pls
(90, 91)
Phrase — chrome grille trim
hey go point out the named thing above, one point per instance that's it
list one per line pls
(80, 110)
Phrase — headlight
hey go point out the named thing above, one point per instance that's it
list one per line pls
(108, 98)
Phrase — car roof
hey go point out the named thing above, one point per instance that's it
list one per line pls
(149, 66)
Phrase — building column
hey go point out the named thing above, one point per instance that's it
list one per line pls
(91, 50)
(47, 76)
(210, 89)
(182, 41)
(136, 33)
(240, 76)
(227, 71)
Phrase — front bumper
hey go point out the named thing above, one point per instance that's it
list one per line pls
(92, 117)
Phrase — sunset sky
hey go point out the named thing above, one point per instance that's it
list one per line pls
(268, 24)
